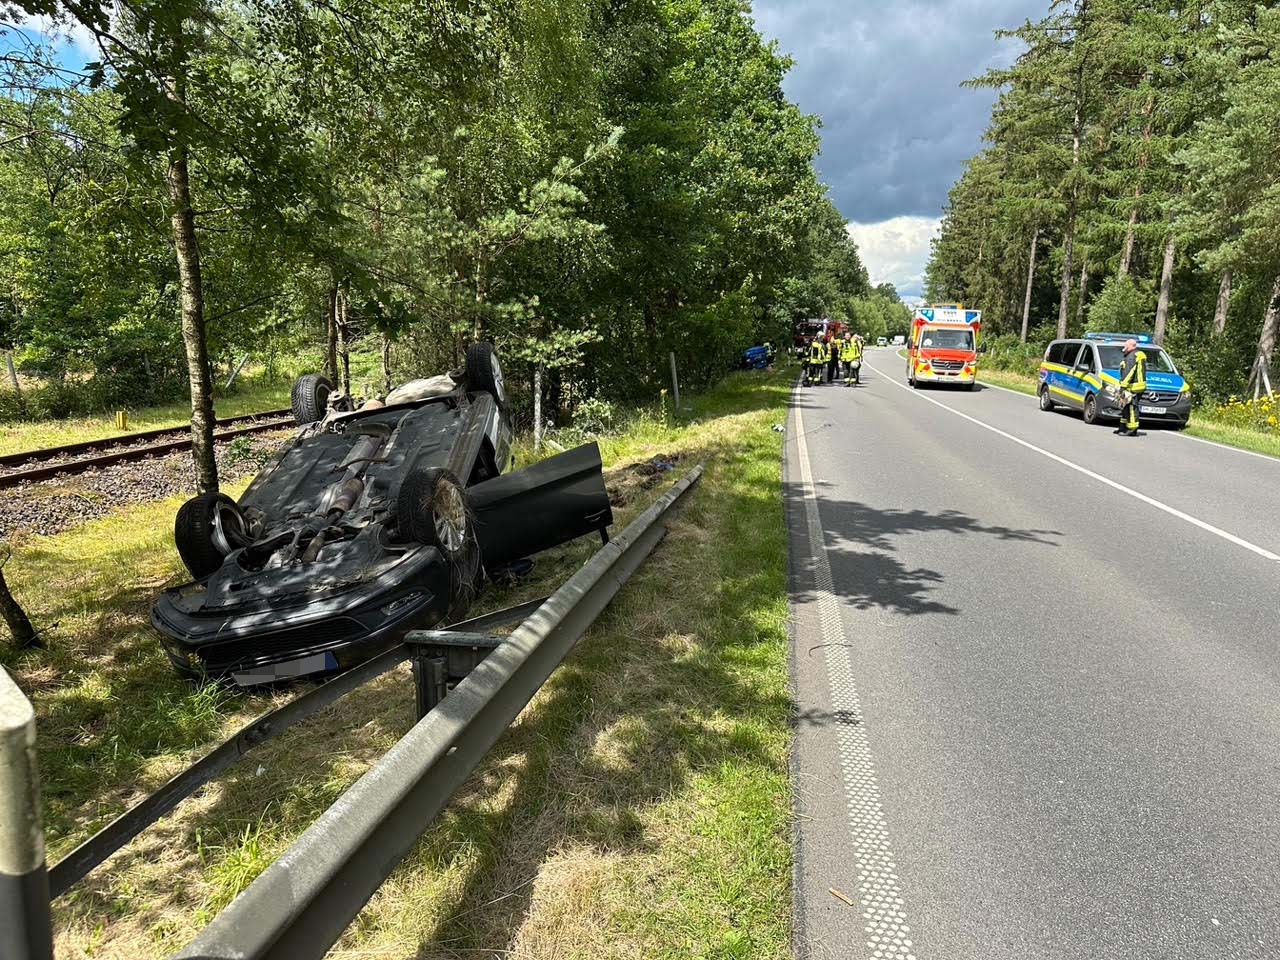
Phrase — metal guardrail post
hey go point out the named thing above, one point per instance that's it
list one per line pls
(298, 907)
(26, 932)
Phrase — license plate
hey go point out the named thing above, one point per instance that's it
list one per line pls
(1156, 410)
(272, 672)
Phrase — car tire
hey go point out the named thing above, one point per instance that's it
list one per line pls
(971, 387)
(198, 531)
(1046, 404)
(1090, 413)
(484, 372)
(432, 509)
(310, 398)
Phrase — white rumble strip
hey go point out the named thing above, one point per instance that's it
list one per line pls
(888, 937)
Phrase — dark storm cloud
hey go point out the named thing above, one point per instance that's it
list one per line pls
(885, 78)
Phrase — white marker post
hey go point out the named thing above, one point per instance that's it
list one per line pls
(26, 932)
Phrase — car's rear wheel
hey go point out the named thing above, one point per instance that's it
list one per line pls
(1046, 404)
(1091, 409)
(484, 373)
(310, 398)
(206, 529)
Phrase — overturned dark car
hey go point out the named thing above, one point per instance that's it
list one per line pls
(378, 518)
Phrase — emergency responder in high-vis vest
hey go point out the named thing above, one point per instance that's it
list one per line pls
(851, 358)
(1133, 383)
(817, 360)
(833, 358)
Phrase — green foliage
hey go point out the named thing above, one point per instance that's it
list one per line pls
(1122, 306)
(590, 185)
(1122, 124)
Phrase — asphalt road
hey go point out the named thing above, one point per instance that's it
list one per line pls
(1017, 737)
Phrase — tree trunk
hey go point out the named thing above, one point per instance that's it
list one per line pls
(331, 336)
(1031, 279)
(344, 345)
(1077, 131)
(1166, 289)
(537, 408)
(1083, 292)
(1224, 304)
(193, 329)
(1064, 298)
(1126, 258)
(1260, 375)
(386, 365)
(15, 618)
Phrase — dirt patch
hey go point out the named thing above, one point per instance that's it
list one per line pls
(625, 483)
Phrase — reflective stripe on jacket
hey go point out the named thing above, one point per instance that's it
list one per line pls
(1133, 374)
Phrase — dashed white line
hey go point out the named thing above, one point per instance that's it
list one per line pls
(1129, 491)
(888, 936)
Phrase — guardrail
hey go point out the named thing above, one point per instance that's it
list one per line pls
(470, 687)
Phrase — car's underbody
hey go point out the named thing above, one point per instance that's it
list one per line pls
(372, 522)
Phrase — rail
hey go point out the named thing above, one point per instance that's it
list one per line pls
(471, 686)
(128, 451)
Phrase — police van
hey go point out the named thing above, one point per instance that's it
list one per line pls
(1085, 375)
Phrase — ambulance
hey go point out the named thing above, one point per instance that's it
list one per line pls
(943, 346)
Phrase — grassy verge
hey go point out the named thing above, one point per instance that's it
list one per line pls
(33, 435)
(1008, 379)
(638, 808)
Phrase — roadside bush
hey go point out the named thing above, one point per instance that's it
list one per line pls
(1007, 352)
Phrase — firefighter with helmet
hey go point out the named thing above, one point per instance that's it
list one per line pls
(851, 358)
(816, 361)
(1133, 383)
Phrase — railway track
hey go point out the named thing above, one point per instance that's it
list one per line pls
(72, 458)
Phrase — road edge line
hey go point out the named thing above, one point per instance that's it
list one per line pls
(888, 936)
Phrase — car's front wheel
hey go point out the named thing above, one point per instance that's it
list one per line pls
(206, 529)
(1046, 404)
(432, 509)
(1091, 409)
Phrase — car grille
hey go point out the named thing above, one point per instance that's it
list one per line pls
(1153, 396)
(311, 638)
(947, 365)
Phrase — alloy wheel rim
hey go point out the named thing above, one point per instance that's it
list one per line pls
(450, 516)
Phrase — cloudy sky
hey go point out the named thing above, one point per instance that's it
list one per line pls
(885, 77)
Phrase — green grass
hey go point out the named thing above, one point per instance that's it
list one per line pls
(1233, 436)
(1007, 379)
(247, 397)
(638, 808)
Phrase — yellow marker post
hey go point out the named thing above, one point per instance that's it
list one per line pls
(122, 420)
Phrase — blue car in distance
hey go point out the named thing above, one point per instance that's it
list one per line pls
(1084, 374)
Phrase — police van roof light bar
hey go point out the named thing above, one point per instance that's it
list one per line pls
(1140, 337)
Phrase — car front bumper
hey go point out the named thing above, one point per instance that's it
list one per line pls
(259, 647)
(1172, 412)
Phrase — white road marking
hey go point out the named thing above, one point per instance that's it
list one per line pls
(888, 937)
(1180, 436)
(1150, 501)
(1227, 446)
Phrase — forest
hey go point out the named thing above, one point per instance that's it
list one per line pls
(1130, 182)
(589, 184)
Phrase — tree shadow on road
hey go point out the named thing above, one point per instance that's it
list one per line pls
(860, 541)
